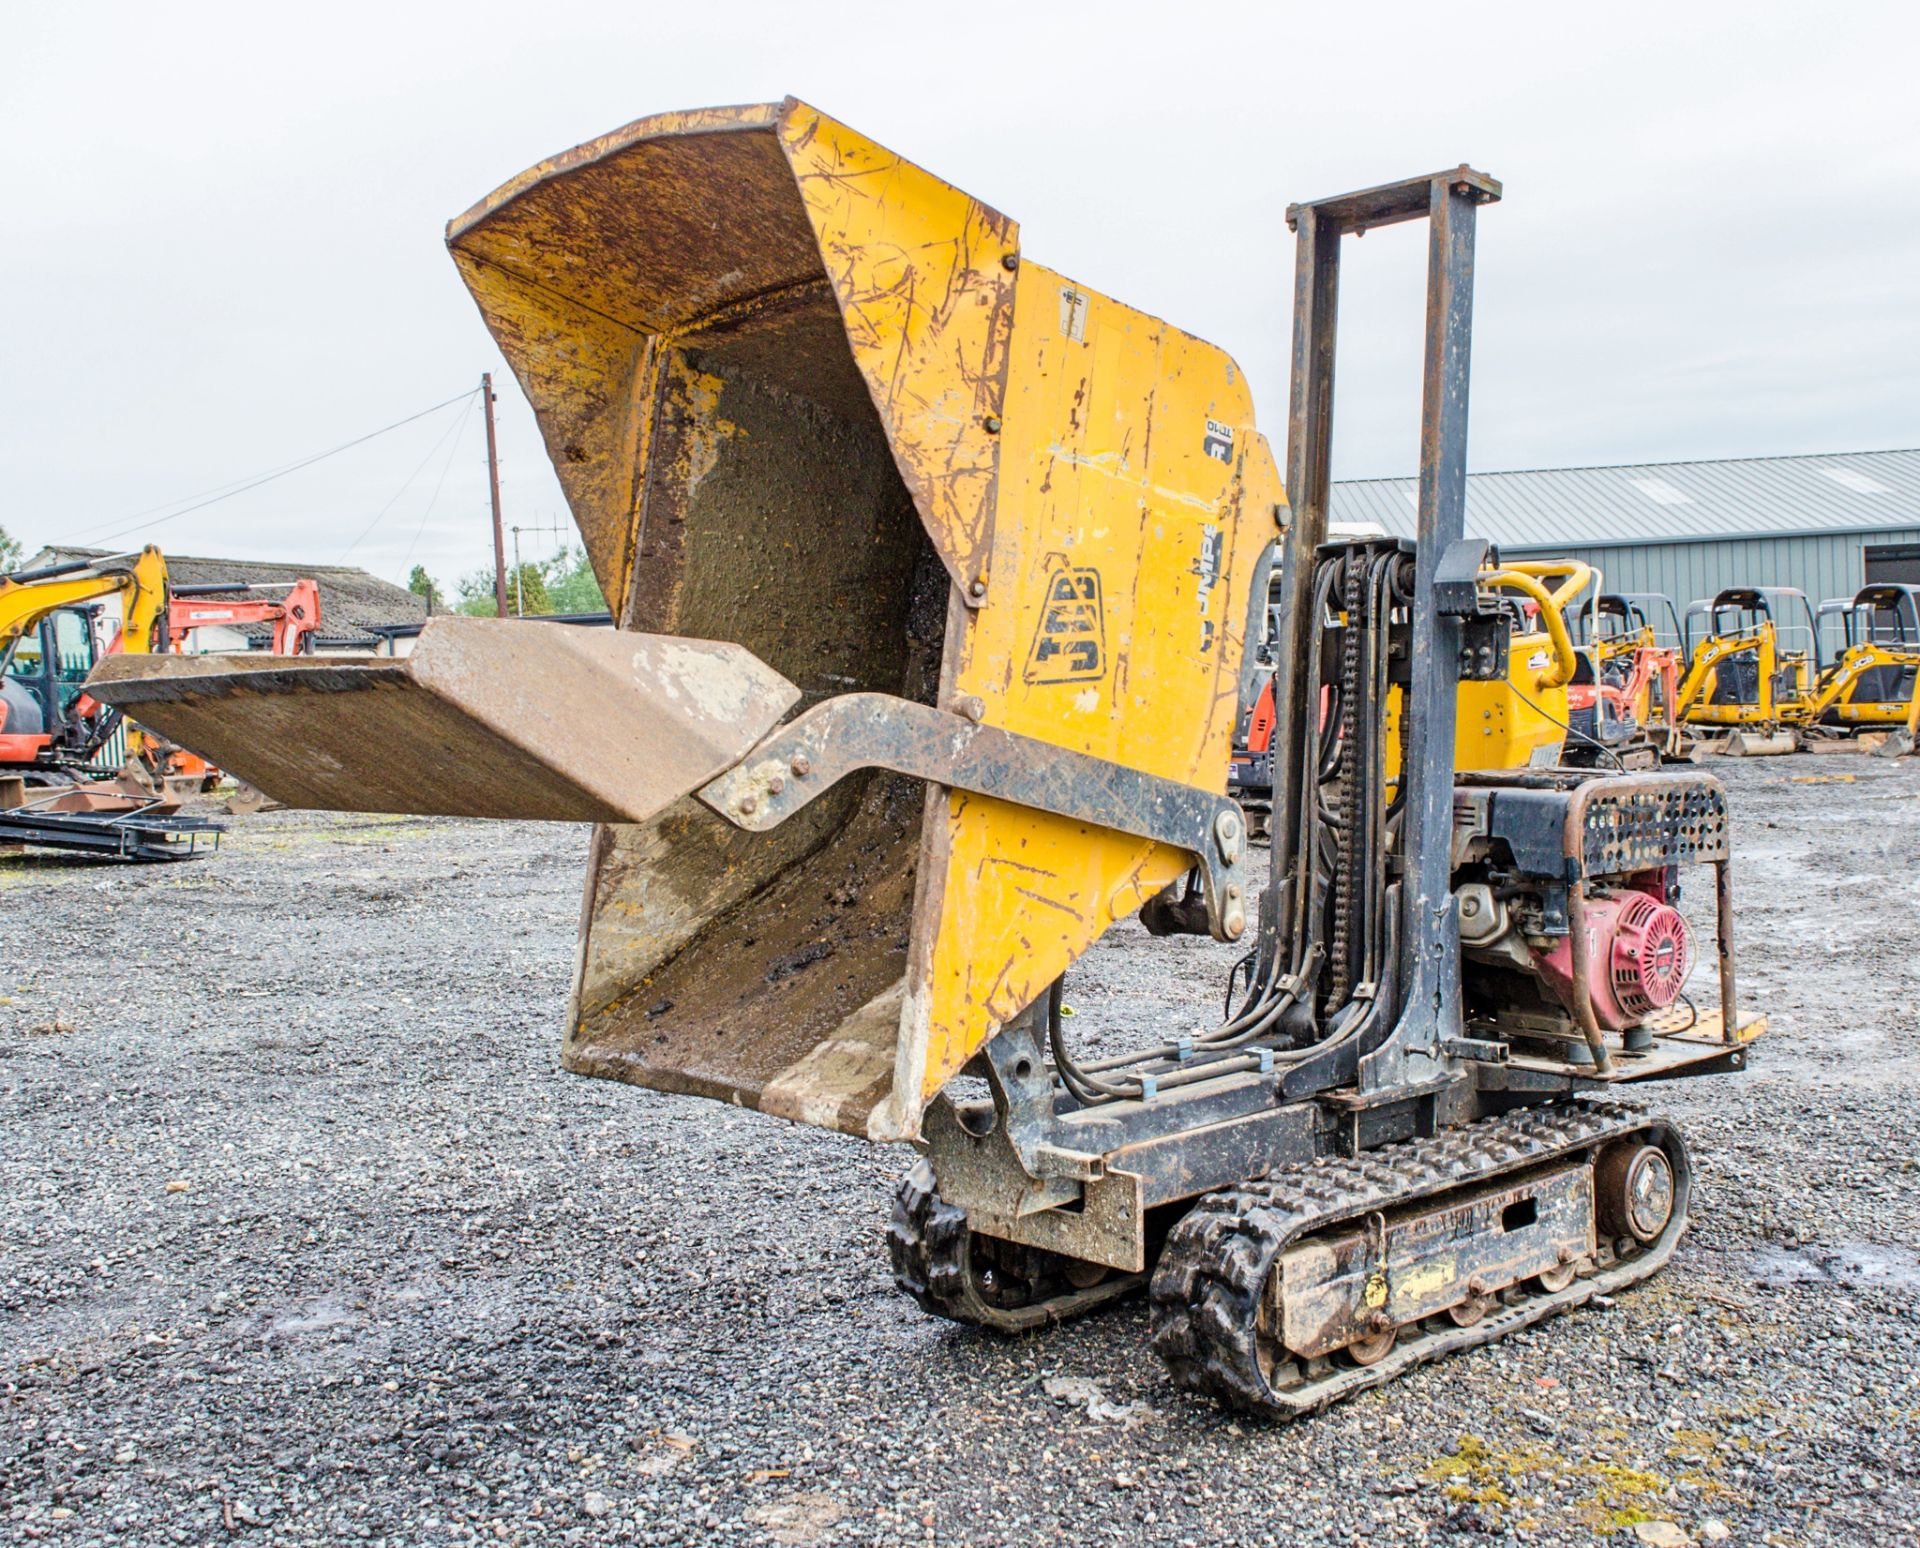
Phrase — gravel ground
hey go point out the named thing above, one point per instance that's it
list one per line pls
(306, 1239)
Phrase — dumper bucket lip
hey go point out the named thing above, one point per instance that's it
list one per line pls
(655, 126)
(488, 717)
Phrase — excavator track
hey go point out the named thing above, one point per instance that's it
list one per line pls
(938, 1260)
(1211, 1296)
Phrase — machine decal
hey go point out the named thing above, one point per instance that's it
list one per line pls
(1218, 441)
(1073, 313)
(1070, 644)
(1206, 566)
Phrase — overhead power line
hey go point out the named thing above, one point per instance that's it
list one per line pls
(228, 491)
(452, 452)
(446, 435)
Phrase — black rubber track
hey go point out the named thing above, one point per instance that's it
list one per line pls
(931, 1249)
(1206, 1290)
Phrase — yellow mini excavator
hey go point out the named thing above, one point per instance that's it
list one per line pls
(1751, 656)
(70, 774)
(1872, 679)
(934, 571)
(51, 730)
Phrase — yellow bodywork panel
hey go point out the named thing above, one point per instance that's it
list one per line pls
(806, 397)
(1519, 722)
(1522, 722)
(1516, 724)
(924, 278)
(1120, 550)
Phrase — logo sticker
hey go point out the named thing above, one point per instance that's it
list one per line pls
(1218, 441)
(1070, 645)
(1206, 568)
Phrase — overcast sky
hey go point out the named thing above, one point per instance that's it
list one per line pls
(223, 225)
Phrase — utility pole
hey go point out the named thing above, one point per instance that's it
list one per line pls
(493, 488)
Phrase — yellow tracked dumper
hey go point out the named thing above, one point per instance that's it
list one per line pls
(934, 571)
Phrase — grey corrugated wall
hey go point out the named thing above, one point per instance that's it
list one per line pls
(1828, 565)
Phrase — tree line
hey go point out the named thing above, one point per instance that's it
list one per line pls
(564, 583)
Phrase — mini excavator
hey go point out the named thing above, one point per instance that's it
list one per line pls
(1750, 664)
(934, 572)
(1624, 697)
(51, 729)
(1872, 680)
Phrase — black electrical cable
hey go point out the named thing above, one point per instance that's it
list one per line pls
(449, 434)
(1556, 720)
(434, 499)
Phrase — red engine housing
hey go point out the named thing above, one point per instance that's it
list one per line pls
(1639, 953)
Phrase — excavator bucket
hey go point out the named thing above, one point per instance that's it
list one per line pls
(993, 532)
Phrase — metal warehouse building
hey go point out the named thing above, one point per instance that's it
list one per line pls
(1826, 524)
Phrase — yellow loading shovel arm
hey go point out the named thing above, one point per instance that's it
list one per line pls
(1856, 663)
(140, 580)
(1713, 653)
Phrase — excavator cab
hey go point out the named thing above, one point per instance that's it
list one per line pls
(1619, 622)
(50, 722)
(56, 628)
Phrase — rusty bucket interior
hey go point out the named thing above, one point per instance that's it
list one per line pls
(664, 298)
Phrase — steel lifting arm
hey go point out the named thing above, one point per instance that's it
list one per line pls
(808, 756)
(295, 617)
(1426, 932)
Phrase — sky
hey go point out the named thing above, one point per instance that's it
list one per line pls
(224, 251)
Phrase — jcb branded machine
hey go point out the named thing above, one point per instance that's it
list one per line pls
(51, 730)
(934, 571)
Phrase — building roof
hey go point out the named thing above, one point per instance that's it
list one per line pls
(354, 606)
(1663, 502)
